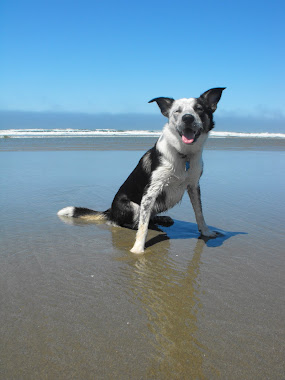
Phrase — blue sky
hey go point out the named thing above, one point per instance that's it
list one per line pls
(113, 56)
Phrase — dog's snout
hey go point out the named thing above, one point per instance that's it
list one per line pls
(188, 118)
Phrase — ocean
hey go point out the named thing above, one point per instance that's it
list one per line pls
(45, 133)
(112, 139)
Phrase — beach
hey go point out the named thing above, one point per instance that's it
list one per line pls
(76, 303)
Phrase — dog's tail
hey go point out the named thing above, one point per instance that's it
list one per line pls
(83, 213)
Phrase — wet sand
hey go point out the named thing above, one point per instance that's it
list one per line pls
(75, 303)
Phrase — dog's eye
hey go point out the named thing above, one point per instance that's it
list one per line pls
(199, 108)
(177, 111)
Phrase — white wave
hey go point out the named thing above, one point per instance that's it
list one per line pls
(263, 135)
(46, 133)
(37, 133)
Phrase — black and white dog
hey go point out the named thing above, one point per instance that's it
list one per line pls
(165, 172)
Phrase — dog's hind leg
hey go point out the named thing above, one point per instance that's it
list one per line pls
(195, 197)
(162, 220)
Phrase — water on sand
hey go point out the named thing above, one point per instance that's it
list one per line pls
(77, 304)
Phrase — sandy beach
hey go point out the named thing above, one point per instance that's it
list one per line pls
(75, 303)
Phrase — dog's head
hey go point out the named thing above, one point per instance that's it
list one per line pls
(189, 118)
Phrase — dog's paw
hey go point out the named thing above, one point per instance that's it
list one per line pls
(209, 234)
(164, 221)
(137, 250)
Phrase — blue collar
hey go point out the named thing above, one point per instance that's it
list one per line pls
(187, 166)
(187, 163)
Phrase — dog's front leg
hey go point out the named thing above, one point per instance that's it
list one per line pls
(145, 213)
(195, 197)
(146, 207)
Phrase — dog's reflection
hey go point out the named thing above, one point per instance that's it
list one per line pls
(165, 285)
(167, 289)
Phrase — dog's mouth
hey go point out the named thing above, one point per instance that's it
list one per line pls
(189, 136)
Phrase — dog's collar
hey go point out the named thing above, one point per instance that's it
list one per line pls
(187, 162)
(187, 166)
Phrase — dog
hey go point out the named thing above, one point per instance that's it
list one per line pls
(174, 165)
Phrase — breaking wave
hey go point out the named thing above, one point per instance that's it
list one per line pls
(52, 133)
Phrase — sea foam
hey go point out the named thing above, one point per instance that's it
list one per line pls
(46, 133)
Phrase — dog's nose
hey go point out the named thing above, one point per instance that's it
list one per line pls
(188, 118)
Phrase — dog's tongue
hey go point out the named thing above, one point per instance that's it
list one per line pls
(188, 137)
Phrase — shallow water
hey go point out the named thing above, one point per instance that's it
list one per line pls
(75, 303)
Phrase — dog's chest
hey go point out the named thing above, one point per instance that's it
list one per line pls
(173, 191)
(178, 179)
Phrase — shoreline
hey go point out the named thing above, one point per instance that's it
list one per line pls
(130, 143)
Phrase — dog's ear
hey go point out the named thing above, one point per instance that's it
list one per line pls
(164, 104)
(212, 97)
